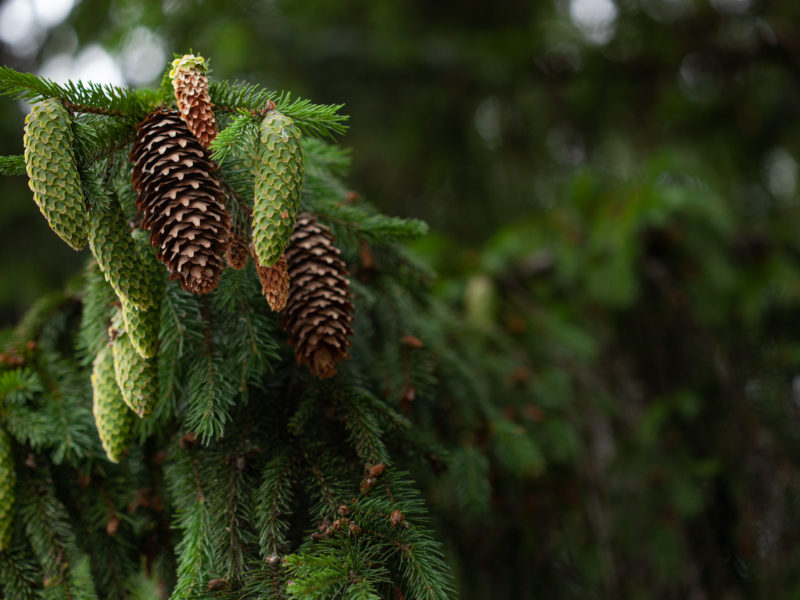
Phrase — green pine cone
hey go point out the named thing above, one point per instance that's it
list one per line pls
(8, 477)
(137, 376)
(115, 250)
(52, 171)
(278, 182)
(153, 268)
(143, 325)
(113, 419)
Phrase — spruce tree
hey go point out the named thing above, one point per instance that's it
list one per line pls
(247, 467)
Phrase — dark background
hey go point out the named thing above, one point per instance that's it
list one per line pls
(612, 190)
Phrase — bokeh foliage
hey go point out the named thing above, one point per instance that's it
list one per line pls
(617, 224)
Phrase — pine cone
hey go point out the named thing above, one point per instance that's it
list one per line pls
(238, 251)
(181, 201)
(52, 171)
(8, 478)
(143, 325)
(137, 377)
(278, 172)
(112, 245)
(190, 83)
(318, 313)
(113, 419)
(275, 283)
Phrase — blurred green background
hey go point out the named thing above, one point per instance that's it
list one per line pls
(612, 190)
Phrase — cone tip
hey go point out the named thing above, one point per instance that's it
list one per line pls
(187, 60)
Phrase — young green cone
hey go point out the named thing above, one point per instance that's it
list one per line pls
(113, 419)
(136, 376)
(8, 477)
(52, 172)
(278, 175)
(112, 245)
(143, 325)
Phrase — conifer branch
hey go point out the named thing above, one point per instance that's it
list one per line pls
(363, 429)
(238, 138)
(195, 551)
(211, 392)
(12, 165)
(274, 504)
(325, 487)
(19, 385)
(47, 526)
(19, 575)
(79, 97)
(98, 138)
(314, 119)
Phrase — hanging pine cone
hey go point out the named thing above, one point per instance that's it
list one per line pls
(181, 201)
(190, 83)
(112, 245)
(144, 324)
(318, 313)
(275, 283)
(238, 251)
(136, 376)
(113, 419)
(8, 478)
(52, 171)
(278, 173)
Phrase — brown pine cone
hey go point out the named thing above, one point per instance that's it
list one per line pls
(190, 83)
(318, 313)
(275, 283)
(238, 251)
(181, 201)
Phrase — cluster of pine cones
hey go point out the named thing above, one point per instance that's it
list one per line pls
(181, 201)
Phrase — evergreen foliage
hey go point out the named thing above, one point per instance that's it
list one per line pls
(247, 477)
(12, 165)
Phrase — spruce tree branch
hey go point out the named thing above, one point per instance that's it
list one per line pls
(77, 96)
(254, 112)
(231, 193)
(12, 165)
(236, 544)
(325, 487)
(57, 394)
(196, 474)
(314, 119)
(270, 541)
(57, 550)
(96, 110)
(233, 526)
(20, 569)
(177, 321)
